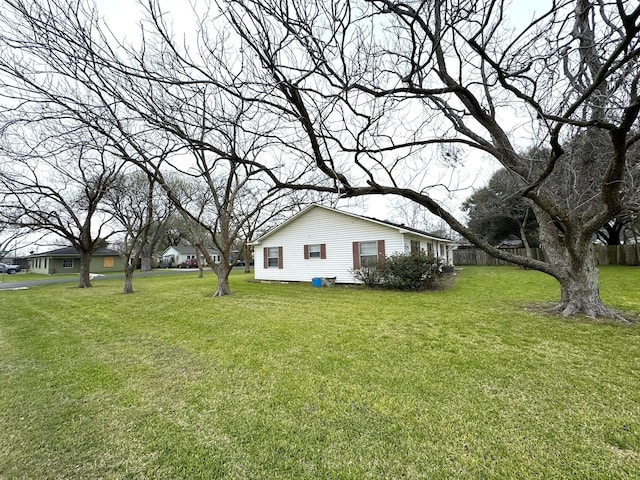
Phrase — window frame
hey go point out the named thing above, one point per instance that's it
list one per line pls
(273, 259)
(67, 263)
(315, 251)
(367, 259)
(380, 252)
(269, 256)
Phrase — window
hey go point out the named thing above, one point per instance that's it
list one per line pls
(273, 257)
(67, 263)
(415, 247)
(368, 253)
(109, 262)
(317, 250)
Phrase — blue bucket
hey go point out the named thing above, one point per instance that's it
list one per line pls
(316, 282)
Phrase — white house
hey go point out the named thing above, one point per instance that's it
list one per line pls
(324, 242)
(175, 255)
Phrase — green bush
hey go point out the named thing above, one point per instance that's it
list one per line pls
(410, 272)
(401, 272)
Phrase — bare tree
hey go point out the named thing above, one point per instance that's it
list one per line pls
(128, 93)
(376, 85)
(57, 166)
(161, 218)
(192, 95)
(138, 208)
(51, 184)
(223, 200)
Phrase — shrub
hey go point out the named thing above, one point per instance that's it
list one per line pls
(369, 274)
(411, 272)
(401, 272)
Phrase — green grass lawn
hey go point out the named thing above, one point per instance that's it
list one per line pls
(29, 277)
(290, 381)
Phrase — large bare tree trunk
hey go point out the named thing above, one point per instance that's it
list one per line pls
(145, 263)
(573, 263)
(246, 256)
(580, 293)
(85, 270)
(128, 278)
(223, 287)
(223, 269)
(579, 290)
(199, 263)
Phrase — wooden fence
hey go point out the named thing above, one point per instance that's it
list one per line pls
(606, 255)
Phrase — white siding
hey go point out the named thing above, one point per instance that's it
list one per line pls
(316, 226)
(39, 265)
(440, 249)
(174, 254)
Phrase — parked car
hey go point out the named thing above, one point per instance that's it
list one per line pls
(240, 263)
(190, 263)
(6, 268)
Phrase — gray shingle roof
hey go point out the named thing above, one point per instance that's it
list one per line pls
(73, 252)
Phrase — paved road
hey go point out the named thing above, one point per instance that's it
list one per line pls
(14, 283)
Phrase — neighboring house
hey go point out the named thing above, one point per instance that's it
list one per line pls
(67, 260)
(324, 242)
(175, 255)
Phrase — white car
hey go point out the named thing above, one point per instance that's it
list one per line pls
(6, 268)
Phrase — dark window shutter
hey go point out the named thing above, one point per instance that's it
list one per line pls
(323, 251)
(381, 253)
(280, 264)
(266, 257)
(356, 255)
(306, 252)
